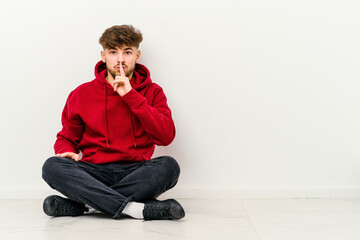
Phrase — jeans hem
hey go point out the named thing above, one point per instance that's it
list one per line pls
(118, 213)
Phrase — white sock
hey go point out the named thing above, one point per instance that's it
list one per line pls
(134, 210)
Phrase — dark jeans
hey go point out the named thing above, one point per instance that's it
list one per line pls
(109, 187)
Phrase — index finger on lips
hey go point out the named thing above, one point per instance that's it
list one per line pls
(122, 73)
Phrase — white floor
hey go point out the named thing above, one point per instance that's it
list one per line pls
(293, 219)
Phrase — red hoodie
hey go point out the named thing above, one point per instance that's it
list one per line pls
(106, 127)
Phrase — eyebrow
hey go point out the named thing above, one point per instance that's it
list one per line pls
(113, 49)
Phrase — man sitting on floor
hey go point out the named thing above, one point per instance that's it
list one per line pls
(115, 122)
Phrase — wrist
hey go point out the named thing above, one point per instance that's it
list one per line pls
(126, 91)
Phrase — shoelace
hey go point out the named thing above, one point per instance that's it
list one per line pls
(158, 211)
(69, 208)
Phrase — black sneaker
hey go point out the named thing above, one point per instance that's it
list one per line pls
(57, 206)
(163, 210)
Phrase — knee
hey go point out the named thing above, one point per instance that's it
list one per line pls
(51, 168)
(171, 165)
(170, 168)
(170, 174)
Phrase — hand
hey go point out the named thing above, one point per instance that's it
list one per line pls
(121, 84)
(72, 155)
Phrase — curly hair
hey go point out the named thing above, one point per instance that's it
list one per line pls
(118, 36)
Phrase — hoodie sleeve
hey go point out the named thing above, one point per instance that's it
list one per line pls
(68, 139)
(156, 118)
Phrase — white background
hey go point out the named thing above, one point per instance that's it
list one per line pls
(264, 94)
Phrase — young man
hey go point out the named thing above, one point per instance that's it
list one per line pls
(115, 121)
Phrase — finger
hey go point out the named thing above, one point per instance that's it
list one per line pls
(116, 85)
(66, 154)
(119, 82)
(75, 157)
(116, 80)
(122, 73)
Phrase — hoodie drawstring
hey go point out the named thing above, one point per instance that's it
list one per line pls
(106, 120)
(107, 125)
(132, 129)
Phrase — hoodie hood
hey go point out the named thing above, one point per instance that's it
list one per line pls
(141, 76)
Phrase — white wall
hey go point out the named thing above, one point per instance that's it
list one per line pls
(264, 94)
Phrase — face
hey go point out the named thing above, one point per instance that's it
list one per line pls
(128, 56)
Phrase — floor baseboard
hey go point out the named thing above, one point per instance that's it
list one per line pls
(212, 193)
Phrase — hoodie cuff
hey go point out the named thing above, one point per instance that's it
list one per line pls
(133, 98)
(62, 148)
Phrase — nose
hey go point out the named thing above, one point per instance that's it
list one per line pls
(120, 57)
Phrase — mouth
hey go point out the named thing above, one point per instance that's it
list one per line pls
(118, 67)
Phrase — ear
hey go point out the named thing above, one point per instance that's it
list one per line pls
(138, 54)
(103, 56)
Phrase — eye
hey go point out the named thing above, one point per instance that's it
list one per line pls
(128, 52)
(112, 52)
